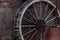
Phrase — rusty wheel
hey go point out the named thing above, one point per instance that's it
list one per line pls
(33, 17)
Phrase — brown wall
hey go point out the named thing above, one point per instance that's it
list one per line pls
(7, 15)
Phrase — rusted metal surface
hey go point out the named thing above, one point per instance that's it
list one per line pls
(54, 34)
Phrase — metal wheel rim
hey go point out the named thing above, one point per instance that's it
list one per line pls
(24, 8)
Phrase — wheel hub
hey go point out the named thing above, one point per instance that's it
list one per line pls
(40, 25)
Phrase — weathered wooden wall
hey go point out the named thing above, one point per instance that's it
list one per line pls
(7, 15)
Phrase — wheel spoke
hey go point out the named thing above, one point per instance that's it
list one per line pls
(41, 36)
(40, 10)
(49, 14)
(58, 26)
(32, 15)
(36, 12)
(29, 31)
(33, 35)
(51, 20)
(30, 20)
(28, 25)
(26, 30)
(50, 25)
(46, 9)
